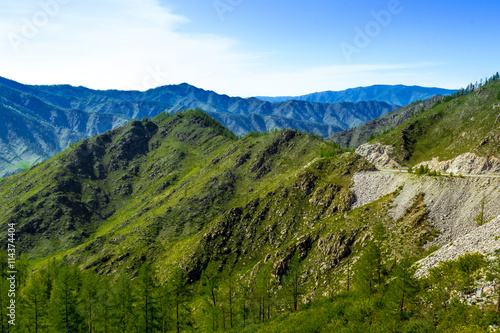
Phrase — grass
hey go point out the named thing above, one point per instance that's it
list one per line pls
(448, 129)
(185, 183)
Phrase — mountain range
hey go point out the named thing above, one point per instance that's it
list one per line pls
(394, 95)
(271, 232)
(40, 121)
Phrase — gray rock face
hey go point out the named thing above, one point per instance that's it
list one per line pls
(378, 155)
(453, 203)
(369, 186)
(466, 164)
(484, 239)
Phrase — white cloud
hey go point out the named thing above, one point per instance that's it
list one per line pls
(108, 44)
(138, 44)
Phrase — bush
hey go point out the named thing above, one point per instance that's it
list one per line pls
(422, 170)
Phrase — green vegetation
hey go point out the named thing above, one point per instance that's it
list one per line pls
(25, 165)
(464, 122)
(175, 224)
(385, 297)
(375, 135)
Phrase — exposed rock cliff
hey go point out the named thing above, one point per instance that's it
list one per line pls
(484, 239)
(378, 155)
(453, 203)
(466, 164)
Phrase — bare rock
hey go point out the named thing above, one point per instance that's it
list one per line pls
(378, 155)
(465, 164)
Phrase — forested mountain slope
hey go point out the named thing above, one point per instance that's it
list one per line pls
(40, 121)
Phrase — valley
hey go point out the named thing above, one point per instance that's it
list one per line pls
(264, 232)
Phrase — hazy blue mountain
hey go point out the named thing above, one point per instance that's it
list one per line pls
(32, 130)
(395, 95)
(324, 118)
(40, 121)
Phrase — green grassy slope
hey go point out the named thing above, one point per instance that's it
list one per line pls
(149, 189)
(465, 124)
(182, 191)
(356, 136)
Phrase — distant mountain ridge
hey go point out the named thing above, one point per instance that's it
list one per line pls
(392, 94)
(40, 121)
(321, 118)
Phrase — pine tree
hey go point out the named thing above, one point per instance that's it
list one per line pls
(404, 286)
(244, 301)
(146, 296)
(210, 290)
(122, 301)
(89, 300)
(64, 300)
(165, 302)
(180, 292)
(370, 267)
(292, 283)
(104, 307)
(34, 302)
(263, 292)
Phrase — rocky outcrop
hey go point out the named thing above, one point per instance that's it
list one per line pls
(484, 239)
(465, 164)
(369, 186)
(453, 203)
(378, 155)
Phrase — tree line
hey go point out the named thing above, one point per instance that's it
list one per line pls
(374, 291)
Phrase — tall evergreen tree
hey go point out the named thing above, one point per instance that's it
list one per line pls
(210, 290)
(292, 283)
(89, 299)
(165, 321)
(104, 307)
(404, 287)
(180, 292)
(34, 308)
(147, 299)
(64, 301)
(370, 267)
(122, 303)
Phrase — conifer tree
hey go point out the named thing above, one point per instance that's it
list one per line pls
(64, 301)
(34, 305)
(370, 267)
(165, 301)
(146, 296)
(89, 299)
(122, 303)
(404, 286)
(211, 292)
(180, 292)
(292, 283)
(104, 307)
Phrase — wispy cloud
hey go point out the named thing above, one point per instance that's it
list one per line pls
(109, 43)
(138, 44)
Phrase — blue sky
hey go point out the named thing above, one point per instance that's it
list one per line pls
(249, 47)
